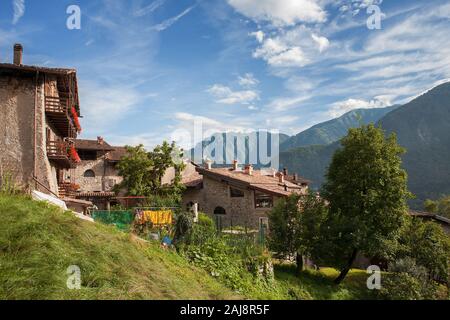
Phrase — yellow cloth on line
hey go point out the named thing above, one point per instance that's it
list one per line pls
(161, 217)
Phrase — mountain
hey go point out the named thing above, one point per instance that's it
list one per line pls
(331, 131)
(422, 127)
(250, 141)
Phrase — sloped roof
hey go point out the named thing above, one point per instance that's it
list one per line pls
(83, 144)
(259, 180)
(26, 68)
(117, 154)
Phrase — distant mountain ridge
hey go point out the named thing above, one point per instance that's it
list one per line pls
(422, 126)
(333, 130)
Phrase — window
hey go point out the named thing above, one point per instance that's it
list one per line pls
(219, 211)
(236, 193)
(263, 200)
(89, 174)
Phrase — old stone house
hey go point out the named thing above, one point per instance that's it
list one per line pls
(96, 175)
(39, 111)
(238, 196)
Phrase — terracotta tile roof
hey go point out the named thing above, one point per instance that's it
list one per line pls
(82, 144)
(192, 180)
(259, 180)
(95, 195)
(117, 154)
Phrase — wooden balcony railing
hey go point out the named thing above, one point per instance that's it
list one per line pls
(56, 105)
(58, 113)
(57, 151)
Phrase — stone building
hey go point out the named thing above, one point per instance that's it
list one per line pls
(96, 175)
(238, 196)
(39, 110)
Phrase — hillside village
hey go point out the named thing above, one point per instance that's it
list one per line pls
(41, 149)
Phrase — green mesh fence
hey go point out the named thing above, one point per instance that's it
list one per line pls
(122, 219)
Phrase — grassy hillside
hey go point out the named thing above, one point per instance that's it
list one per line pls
(333, 130)
(38, 242)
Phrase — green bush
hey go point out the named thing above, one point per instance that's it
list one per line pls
(408, 281)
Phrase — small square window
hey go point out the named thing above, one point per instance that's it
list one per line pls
(263, 200)
(236, 193)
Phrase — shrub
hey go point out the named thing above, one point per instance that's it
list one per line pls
(408, 281)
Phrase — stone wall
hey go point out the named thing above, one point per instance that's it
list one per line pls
(106, 176)
(239, 211)
(17, 112)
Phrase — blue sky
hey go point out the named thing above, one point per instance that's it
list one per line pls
(148, 68)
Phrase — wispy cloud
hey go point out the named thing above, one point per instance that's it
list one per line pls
(19, 10)
(149, 9)
(169, 22)
(227, 96)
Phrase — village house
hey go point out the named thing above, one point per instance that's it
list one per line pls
(238, 196)
(39, 121)
(96, 175)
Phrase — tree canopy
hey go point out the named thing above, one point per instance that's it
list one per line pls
(143, 171)
(367, 192)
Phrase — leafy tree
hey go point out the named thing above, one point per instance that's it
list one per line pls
(294, 225)
(440, 207)
(143, 171)
(367, 193)
(428, 245)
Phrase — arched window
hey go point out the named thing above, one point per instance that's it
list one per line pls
(220, 211)
(89, 174)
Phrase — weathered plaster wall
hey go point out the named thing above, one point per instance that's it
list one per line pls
(17, 101)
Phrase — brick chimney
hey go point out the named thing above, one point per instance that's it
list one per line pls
(100, 140)
(249, 169)
(18, 53)
(280, 177)
(235, 165)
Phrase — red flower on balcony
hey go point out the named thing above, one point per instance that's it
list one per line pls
(74, 154)
(76, 120)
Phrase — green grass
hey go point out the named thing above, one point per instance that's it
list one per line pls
(318, 285)
(38, 242)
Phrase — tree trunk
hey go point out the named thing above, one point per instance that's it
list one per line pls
(347, 268)
(299, 262)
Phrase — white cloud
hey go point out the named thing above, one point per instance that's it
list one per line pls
(322, 42)
(149, 9)
(341, 107)
(248, 80)
(19, 10)
(259, 35)
(227, 96)
(281, 12)
(283, 104)
(169, 22)
(296, 47)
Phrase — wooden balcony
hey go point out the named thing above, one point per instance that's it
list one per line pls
(58, 113)
(57, 152)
